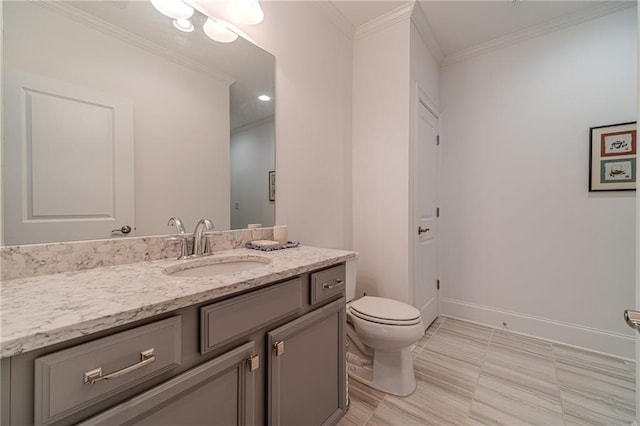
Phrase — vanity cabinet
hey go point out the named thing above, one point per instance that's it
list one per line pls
(270, 356)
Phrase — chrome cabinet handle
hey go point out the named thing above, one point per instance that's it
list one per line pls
(125, 229)
(422, 230)
(329, 285)
(632, 318)
(95, 376)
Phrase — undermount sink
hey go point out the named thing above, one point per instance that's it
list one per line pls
(216, 266)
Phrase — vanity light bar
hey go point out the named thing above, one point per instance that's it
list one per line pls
(246, 12)
(215, 29)
(183, 25)
(218, 31)
(176, 9)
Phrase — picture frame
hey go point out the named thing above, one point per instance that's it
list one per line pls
(272, 185)
(612, 157)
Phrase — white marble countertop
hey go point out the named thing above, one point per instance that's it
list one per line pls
(40, 311)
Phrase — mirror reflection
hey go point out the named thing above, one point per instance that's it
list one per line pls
(113, 117)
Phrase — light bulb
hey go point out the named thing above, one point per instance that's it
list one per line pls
(175, 9)
(264, 98)
(218, 31)
(183, 25)
(246, 12)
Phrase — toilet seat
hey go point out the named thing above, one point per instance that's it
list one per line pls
(385, 311)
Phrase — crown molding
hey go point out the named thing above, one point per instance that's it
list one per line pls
(378, 24)
(424, 29)
(539, 30)
(336, 18)
(107, 28)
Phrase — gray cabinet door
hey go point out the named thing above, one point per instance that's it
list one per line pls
(218, 392)
(307, 369)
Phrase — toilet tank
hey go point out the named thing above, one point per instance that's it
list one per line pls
(351, 270)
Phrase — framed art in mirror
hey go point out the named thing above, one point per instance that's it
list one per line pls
(272, 185)
(612, 159)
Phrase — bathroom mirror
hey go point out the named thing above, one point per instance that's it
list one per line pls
(113, 118)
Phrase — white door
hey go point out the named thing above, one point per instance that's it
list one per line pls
(68, 161)
(426, 228)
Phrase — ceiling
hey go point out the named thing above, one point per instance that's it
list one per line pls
(459, 25)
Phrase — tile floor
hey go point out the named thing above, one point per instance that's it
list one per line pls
(473, 375)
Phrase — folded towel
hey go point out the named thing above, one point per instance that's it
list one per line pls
(259, 245)
(265, 243)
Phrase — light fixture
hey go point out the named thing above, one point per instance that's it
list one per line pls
(264, 98)
(176, 9)
(246, 12)
(183, 25)
(218, 31)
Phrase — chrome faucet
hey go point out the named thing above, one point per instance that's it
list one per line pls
(178, 223)
(200, 241)
(184, 249)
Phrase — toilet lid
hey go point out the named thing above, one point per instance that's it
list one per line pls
(387, 311)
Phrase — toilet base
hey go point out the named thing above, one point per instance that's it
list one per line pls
(392, 372)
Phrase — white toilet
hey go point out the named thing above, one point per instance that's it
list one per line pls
(381, 332)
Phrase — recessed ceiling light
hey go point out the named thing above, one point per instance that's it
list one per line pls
(176, 9)
(218, 31)
(264, 98)
(183, 25)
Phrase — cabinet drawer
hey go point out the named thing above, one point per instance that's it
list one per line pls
(327, 285)
(220, 392)
(62, 379)
(223, 322)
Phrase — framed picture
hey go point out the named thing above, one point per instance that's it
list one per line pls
(272, 186)
(613, 157)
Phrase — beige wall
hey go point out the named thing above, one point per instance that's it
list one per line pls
(313, 120)
(522, 239)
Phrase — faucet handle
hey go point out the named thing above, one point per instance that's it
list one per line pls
(184, 251)
(178, 223)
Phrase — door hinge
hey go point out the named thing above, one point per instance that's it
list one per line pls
(253, 362)
(438, 140)
(278, 348)
(437, 284)
(437, 211)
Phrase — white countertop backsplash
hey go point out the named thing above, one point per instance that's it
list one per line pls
(42, 310)
(50, 258)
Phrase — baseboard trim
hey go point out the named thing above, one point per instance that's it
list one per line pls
(593, 339)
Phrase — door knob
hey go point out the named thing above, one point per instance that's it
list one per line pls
(422, 230)
(125, 229)
(632, 318)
